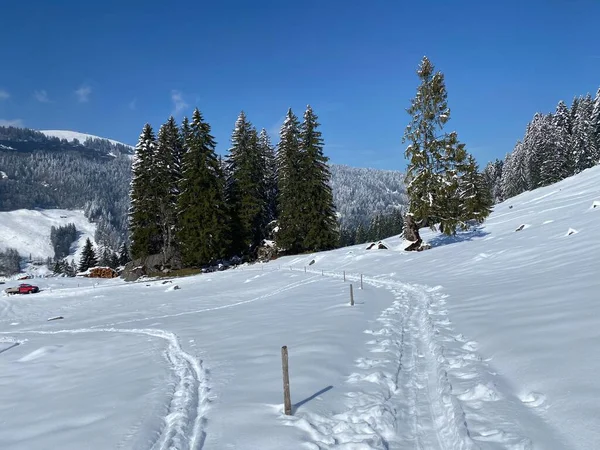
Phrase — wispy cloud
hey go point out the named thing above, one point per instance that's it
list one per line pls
(274, 129)
(41, 96)
(83, 94)
(179, 103)
(133, 104)
(3, 94)
(11, 123)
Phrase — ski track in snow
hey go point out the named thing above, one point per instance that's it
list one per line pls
(183, 426)
(285, 288)
(422, 385)
(184, 423)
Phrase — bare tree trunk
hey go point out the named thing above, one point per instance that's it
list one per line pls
(411, 233)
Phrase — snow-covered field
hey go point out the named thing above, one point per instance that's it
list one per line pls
(28, 230)
(488, 340)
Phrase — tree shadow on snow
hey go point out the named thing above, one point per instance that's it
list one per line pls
(296, 406)
(461, 236)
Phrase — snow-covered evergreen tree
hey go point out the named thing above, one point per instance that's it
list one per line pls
(202, 213)
(318, 211)
(290, 236)
(437, 160)
(143, 229)
(583, 136)
(245, 188)
(88, 257)
(267, 152)
(124, 257)
(166, 178)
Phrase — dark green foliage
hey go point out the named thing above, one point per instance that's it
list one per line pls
(143, 213)
(202, 215)
(439, 175)
(88, 257)
(61, 239)
(318, 211)
(267, 152)
(124, 257)
(166, 177)
(290, 237)
(245, 191)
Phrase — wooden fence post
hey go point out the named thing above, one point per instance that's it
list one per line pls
(361, 286)
(287, 402)
(344, 275)
(351, 296)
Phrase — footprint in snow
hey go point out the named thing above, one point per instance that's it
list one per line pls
(481, 392)
(471, 346)
(533, 399)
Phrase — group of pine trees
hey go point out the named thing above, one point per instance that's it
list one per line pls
(555, 146)
(189, 204)
(90, 258)
(380, 227)
(444, 185)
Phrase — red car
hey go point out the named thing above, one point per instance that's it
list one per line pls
(23, 289)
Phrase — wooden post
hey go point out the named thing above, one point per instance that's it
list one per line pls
(344, 275)
(287, 402)
(361, 286)
(351, 296)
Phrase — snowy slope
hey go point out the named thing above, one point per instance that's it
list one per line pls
(81, 137)
(28, 231)
(488, 340)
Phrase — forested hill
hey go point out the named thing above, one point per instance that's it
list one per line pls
(37, 171)
(362, 193)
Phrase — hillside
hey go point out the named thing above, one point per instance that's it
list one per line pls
(28, 231)
(81, 137)
(485, 341)
(51, 173)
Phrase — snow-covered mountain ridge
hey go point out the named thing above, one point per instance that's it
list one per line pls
(81, 137)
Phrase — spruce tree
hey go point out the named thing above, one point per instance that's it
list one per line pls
(124, 254)
(202, 215)
(290, 235)
(267, 152)
(114, 261)
(437, 160)
(245, 188)
(88, 257)
(319, 218)
(595, 130)
(143, 229)
(167, 176)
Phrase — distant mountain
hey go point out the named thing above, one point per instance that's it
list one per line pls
(81, 137)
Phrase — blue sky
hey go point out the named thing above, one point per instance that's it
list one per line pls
(108, 67)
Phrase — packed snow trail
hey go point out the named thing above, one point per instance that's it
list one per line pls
(183, 427)
(425, 387)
